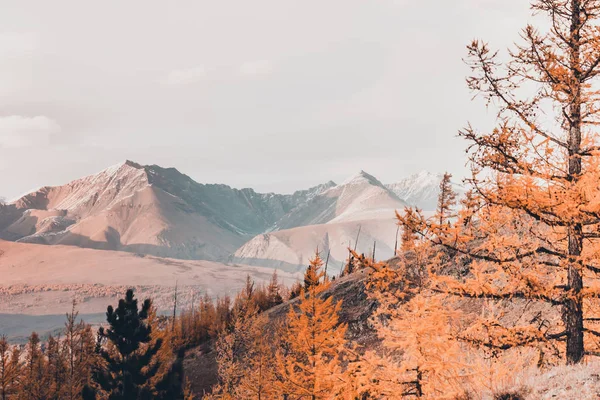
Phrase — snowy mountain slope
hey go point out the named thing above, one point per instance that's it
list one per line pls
(330, 221)
(422, 189)
(290, 249)
(360, 197)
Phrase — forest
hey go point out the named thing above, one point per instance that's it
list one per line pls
(494, 285)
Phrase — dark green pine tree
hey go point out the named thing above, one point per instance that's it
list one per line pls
(129, 359)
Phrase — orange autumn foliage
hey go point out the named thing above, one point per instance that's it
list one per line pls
(529, 227)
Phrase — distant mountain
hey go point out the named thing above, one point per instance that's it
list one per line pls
(162, 212)
(330, 221)
(422, 189)
(148, 210)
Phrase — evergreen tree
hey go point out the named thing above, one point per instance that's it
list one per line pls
(127, 351)
(295, 290)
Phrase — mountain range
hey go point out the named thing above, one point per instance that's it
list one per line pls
(161, 212)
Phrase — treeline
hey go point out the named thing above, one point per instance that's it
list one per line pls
(138, 355)
(206, 320)
(58, 369)
(300, 356)
(132, 358)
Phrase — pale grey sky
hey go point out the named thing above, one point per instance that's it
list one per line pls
(276, 95)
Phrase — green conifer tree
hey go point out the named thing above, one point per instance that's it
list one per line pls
(127, 351)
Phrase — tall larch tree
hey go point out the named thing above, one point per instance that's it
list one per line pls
(234, 342)
(257, 364)
(34, 383)
(313, 274)
(79, 349)
(531, 227)
(10, 369)
(446, 199)
(310, 360)
(56, 368)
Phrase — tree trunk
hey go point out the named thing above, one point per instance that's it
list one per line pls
(572, 314)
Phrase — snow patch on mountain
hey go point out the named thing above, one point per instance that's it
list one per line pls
(422, 189)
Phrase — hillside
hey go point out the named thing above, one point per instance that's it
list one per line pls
(356, 311)
(200, 364)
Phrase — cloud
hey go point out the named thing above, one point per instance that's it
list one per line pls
(17, 43)
(185, 76)
(17, 131)
(261, 67)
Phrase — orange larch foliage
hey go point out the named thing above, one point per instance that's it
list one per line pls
(530, 225)
(309, 361)
(10, 369)
(313, 274)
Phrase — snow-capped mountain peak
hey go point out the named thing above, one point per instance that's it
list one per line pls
(362, 178)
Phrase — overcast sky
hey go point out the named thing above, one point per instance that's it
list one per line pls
(276, 95)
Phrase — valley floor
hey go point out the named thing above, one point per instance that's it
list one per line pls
(39, 280)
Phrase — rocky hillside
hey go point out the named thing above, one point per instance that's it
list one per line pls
(200, 363)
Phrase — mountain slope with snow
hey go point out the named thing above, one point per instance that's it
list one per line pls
(331, 222)
(422, 189)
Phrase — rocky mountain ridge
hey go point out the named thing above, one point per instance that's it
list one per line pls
(162, 212)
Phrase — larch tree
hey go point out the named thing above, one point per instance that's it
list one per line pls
(56, 368)
(79, 348)
(168, 381)
(34, 385)
(233, 343)
(313, 274)
(10, 369)
(274, 297)
(258, 364)
(310, 362)
(531, 224)
(420, 356)
(446, 199)
(424, 330)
